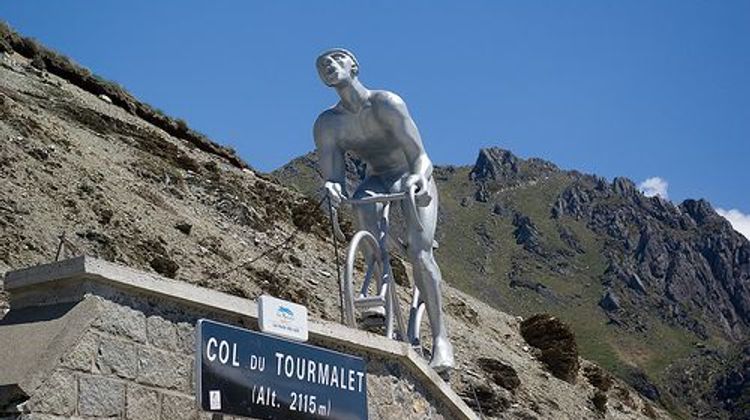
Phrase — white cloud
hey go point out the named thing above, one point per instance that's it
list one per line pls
(654, 186)
(739, 220)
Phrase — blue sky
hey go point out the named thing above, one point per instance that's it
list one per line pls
(634, 88)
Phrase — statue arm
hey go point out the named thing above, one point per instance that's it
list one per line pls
(330, 156)
(396, 116)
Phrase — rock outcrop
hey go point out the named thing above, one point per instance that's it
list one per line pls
(493, 164)
(686, 260)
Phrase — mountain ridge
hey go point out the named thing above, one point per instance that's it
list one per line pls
(642, 271)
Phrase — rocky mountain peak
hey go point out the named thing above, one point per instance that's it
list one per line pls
(624, 187)
(494, 163)
(700, 211)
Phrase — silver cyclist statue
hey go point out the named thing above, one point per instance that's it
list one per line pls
(376, 125)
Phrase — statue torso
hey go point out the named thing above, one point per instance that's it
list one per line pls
(366, 135)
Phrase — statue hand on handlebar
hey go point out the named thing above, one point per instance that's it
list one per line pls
(335, 192)
(420, 184)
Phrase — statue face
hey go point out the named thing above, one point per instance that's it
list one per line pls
(335, 68)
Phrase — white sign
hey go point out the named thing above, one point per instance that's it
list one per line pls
(283, 318)
(214, 400)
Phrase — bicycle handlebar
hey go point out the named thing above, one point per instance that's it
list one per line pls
(380, 198)
(409, 196)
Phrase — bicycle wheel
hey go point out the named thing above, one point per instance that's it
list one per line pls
(357, 290)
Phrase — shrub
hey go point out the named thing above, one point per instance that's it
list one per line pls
(598, 378)
(600, 401)
(182, 126)
(556, 341)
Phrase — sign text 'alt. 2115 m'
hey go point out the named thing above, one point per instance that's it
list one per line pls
(246, 373)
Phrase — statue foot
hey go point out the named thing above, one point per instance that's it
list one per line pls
(442, 356)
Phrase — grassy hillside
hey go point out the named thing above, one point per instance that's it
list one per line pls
(526, 237)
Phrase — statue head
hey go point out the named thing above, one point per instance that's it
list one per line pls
(336, 66)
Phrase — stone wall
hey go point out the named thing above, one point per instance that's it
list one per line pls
(140, 365)
(132, 355)
(125, 365)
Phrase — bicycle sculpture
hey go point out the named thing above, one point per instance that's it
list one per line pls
(376, 125)
(378, 299)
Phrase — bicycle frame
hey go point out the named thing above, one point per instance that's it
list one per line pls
(386, 290)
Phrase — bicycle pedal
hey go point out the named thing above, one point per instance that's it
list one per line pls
(369, 302)
(373, 319)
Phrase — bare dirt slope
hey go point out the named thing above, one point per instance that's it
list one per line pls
(125, 190)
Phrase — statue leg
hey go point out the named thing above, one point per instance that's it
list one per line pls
(367, 217)
(428, 279)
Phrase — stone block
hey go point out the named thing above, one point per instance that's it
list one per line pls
(117, 357)
(142, 403)
(161, 333)
(57, 395)
(178, 407)
(41, 416)
(186, 338)
(122, 321)
(101, 397)
(83, 354)
(163, 369)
